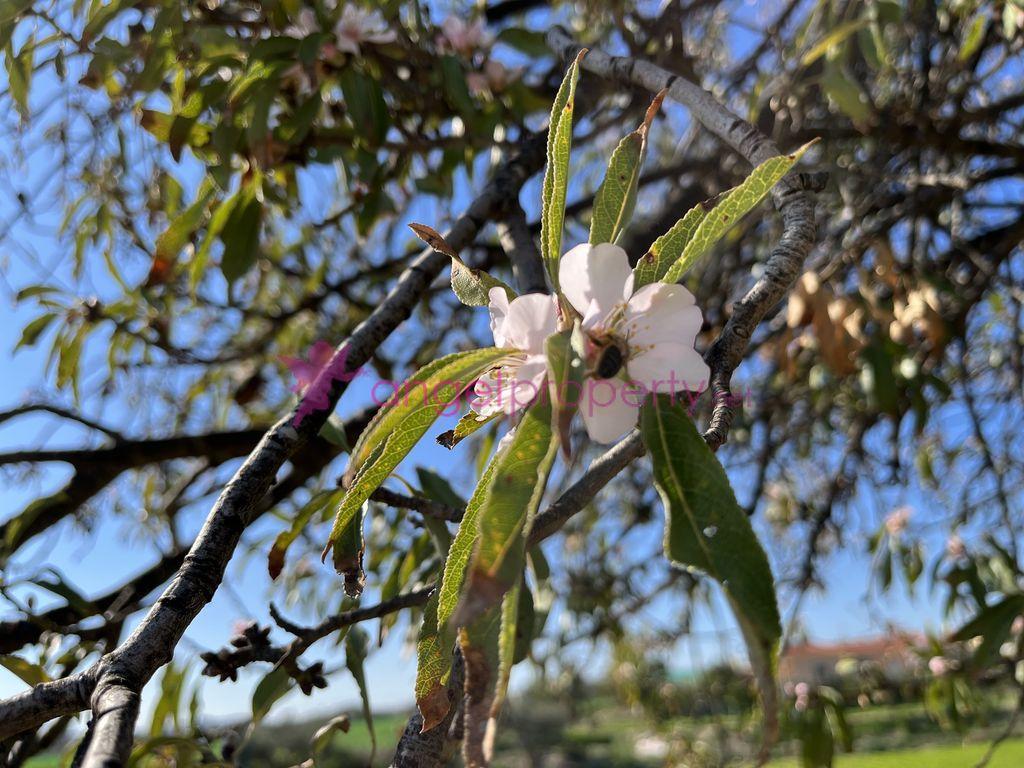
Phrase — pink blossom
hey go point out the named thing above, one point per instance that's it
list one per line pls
(897, 520)
(357, 25)
(939, 666)
(955, 547)
(464, 38)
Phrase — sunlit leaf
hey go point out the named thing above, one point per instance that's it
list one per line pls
(706, 529)
(616, 197)
(357, 643)
(394, 430)
(733, 206)
(512, 494)
(556, 173)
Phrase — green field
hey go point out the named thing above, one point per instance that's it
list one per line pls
(1010, 754)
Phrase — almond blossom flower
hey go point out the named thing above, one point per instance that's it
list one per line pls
(358, 25)
(521, 325)
(636, 342)
(462, 37)
(305, 25)
(494, 77)
(897, 520)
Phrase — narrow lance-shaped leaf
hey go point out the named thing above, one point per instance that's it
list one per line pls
(664, 252)
(388, 438)
(356, 644)
(479, 643)
(706, 529)
(461, 549)
(556, 174)
(511, 497)
(320, 502)
(565, 382)
(433, 667)
(733, 206)
(471, 286)
(507, 645)
(616, 197)
(415, 405)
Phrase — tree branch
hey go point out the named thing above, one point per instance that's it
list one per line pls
(120, 675)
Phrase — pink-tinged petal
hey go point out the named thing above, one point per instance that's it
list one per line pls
(609, 408)
(531, 318)
(498, 309)
(668, 367)
(659, 313)
(346, 44)
(589, 273)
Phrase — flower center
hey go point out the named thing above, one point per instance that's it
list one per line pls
(611, 354)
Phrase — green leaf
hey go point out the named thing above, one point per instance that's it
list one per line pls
(30, 335)
(512, 494)
(366, 107)
(316, 505)
(529, 41)
(461, 549)
(275, 684)
(556, 173)
(992, 624)
(241, 232)
(565, 382)
(180, 230)
(455, 87)
(507, 642)
(471, 286)
(19, 75)
(733, 206)
(391, 434)
(466, 426)
(832, 40)
(357, 642)
(26, 671)
(433, 667)
(616, 197)
(848, 97)
(706, 529)
(974, 37)
(667, 249)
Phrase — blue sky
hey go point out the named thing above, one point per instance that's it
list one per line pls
(99, 559)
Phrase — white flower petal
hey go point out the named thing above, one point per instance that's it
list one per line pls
(498, 309)
(669, 367)
(660, 312)
(594, 273)
(609, 408)
(531, 318)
